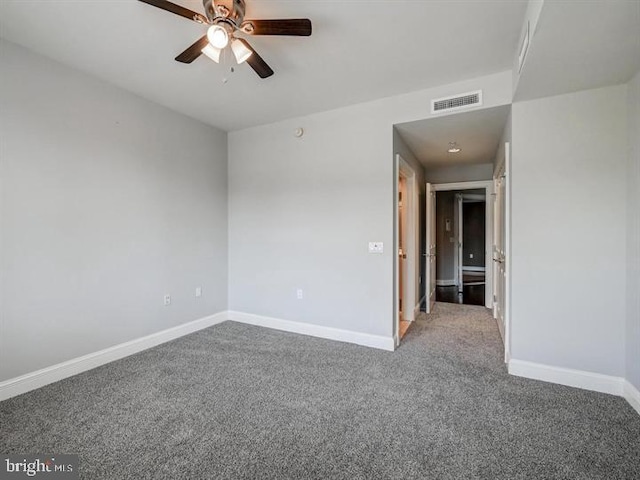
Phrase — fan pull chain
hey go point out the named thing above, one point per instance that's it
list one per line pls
(232, 70)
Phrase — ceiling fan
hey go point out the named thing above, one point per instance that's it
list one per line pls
(226, 19)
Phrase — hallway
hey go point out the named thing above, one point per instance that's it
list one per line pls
(471, 294)
(526, 428)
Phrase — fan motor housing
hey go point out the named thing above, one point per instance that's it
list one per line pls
(232, 10)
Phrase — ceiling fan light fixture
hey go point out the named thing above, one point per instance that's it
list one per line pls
(212, 52)
(218, 36)
(240, 51)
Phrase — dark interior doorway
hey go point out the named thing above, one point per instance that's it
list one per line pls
(460, 237)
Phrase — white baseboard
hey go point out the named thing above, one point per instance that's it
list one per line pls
(330, 333)
(40, 378)
(416, 309)
(632, 395)
(470, 269)
(567, 376)
(446, 283)
(500, 328)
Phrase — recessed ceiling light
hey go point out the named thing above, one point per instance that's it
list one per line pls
(454, 148)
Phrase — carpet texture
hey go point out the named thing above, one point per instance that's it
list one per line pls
(236, 401)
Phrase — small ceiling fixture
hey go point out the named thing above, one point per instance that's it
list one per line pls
(454, 148)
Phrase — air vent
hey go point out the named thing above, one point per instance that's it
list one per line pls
(457, 102)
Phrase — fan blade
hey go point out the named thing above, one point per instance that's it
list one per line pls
(256, 62)
(300, 27)
(194, 51)
(177, 9)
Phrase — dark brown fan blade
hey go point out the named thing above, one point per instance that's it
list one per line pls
(256, 62)
(300, 27)
(194, 51)
(177, 9)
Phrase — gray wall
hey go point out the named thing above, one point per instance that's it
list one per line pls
(460, 173)
(633, 235)
(473, 234)
(107, 203)
(446, 250)
(568, 230)
(301, 214)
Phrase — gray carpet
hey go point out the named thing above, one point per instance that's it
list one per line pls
(236, 401)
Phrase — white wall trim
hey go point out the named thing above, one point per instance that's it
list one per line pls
(632, 395)
(416, 310)
(330, 333)
(444, 187)
(596, 382)
(467, 268)
(500, 328)
(40, 378)
(412, 266)
(473, 198)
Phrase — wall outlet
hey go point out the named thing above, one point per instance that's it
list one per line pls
(376, 247)
(167, 300)
(471, 255)
(299, 294)
(198, 291)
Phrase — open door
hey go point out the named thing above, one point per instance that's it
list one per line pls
(501, 250)
(407, 241)
(430, 255)
(499, 254)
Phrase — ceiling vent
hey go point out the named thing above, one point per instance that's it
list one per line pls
(457, 102)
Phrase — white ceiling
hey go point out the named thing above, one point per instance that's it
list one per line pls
(360, 50)
(476, 132)
(580, 45)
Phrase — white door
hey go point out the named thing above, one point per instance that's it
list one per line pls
(498, 254)
(497, 226)
(501, 250)
(430, 255)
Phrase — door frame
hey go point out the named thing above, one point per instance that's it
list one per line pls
(430, 266)
(488, 246)
(458, 260)
(503, 171)
(411, 272)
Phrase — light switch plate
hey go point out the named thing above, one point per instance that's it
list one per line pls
(376, 247)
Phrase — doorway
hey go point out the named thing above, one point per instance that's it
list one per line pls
(461, 246)
(461, 152)
(407, 244)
